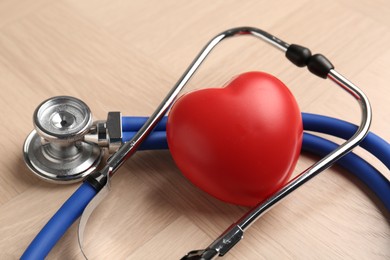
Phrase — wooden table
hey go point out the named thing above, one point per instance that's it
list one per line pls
(125, 56)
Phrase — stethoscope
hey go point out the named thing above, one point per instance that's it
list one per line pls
(67, 146)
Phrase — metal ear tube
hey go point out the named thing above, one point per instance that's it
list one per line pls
(298, 55)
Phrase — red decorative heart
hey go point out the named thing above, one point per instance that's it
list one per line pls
(239, 143)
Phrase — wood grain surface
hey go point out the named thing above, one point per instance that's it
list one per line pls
(125, 56)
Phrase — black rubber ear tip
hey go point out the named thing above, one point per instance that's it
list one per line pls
(298, 55)
(319, 65)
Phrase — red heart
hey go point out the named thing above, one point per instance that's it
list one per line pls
(239, 143)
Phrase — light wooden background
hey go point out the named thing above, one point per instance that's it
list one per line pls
(125, 55)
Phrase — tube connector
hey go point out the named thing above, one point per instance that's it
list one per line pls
(204, 254)
(107, 133)
(219, 247)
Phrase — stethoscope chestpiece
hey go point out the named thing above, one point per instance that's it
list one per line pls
(56, 150)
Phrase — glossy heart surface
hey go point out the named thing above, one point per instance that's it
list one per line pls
(239, 143)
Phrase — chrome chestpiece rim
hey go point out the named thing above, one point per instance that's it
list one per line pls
(62, 119)
(55, 150)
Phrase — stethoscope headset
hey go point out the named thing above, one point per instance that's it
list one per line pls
(67, 146)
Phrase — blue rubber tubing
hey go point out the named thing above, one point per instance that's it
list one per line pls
(134, 123)
(336, 127)
(365, 172)
(311, 122)
(74, 206)
(59, 223)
